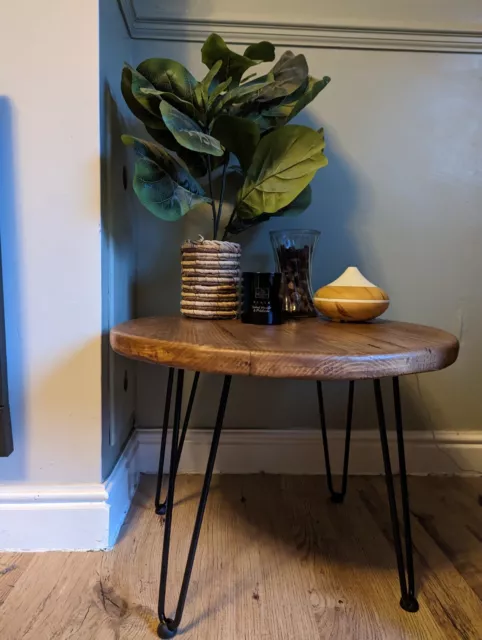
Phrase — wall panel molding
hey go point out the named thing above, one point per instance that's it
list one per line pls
(154, 25)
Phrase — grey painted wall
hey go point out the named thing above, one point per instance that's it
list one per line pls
(401, 199)
(118, 235)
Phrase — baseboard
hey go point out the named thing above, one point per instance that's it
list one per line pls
(89, 517)
(84, 517)
(300, 452)
(121, 486)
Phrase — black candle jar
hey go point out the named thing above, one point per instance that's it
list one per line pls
(262, 300)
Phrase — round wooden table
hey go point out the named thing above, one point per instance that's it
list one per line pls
(309, 349)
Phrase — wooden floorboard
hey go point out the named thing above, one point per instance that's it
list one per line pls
(276, 561)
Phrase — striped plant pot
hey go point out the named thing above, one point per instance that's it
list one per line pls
(210, 274)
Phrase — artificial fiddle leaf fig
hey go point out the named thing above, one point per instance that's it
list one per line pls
(239, 136)
(234, 64)
(188, 133)
(284, 163)
(162, 182)
(230, 112)
(169, 75)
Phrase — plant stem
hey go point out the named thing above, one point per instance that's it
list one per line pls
(221, 196)
(231, 218)
(213, 207)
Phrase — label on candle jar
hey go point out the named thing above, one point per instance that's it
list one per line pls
(262, 302)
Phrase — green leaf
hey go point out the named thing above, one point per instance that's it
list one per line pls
(249, 77)
(242, 93)
(163, 183)
(262, 51)
(290, 72)
(203, 87)
(312, 90)
(284, 163)
(291, 67)
(183, 105)
(287, 75)
(222, 86)
(279, 112)
(234, 64)
(298, 205)
(188, 133)
(169, 75)
(239, 136)
(142, 106)
(194, 161)
(287, 79)
(209, 77)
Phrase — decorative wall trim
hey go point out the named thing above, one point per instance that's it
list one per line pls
(77, 517)
(302, 35)
(300, 452)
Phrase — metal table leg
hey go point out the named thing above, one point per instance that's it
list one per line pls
(408, 601)
(336, 496)
(168, 627)
(160, 507)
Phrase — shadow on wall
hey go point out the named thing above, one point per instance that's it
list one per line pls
(12, 467)
(118, 284)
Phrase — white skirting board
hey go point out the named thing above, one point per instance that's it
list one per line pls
(89, 517)
(300, 451)
(66, 517)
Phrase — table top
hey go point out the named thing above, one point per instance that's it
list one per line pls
(308, 349)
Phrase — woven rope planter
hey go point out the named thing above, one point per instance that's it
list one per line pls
(210, 274)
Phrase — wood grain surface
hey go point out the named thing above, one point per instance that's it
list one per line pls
(276, 561)
(310, 349)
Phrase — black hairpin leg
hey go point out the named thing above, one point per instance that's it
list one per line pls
(168, 627)
(408, 601)
(336, 496)
(161, 506)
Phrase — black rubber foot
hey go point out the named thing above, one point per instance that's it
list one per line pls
(161, 509)
(409, 604)
(337, 498)
(165, 630)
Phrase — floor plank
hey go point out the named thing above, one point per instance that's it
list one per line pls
(276, 560)
(12, 566)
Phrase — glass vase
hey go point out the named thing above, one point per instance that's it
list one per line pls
(293, 250)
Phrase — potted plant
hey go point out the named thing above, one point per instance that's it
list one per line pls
(230, 122)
